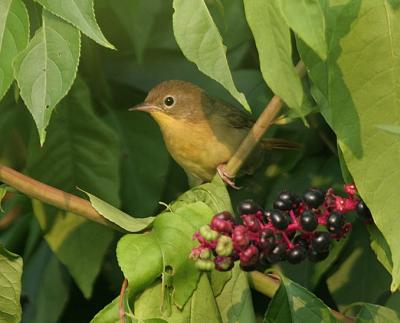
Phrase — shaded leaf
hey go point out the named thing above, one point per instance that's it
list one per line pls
(307, 20)
(201, 43)
(380, 247)
(14, 35)
(10, 285)
(371, 313)
(272, 37)
(118, 217)
(293, 303)
(80, 152)
(80, 14)
(358, 88)
(45, 286)
(46, 69)
(67, 236)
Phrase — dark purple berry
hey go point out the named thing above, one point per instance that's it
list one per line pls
(315, 256)
(285, 196)
(251, 222)
(363, 210)
(267, 240)
(248, 207)
(249, 256)
(313, 197)
(240, 237)
(267, 216)
(223, 263)
(296, 255)
(277, 254)
(308, 221)
(283, 205)
(335, 222)
(279, 219)
(300, 241)
(321, 242)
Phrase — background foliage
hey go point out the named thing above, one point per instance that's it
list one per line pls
(67, 78)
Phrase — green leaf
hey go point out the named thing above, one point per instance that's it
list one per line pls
(46, 69)
(293, 303)
(14, 35)
(118, 217)
(359, 81)
(46, 287)
(214, 194)
(307, 20)
(143, 257)
(67, 236)
(380, 247)
(234, 302)
(10, 285)
(80, 152)
(80, 14)
(357, 266)
(3, 191)
(393, 129)
(154, 304)
(109, 314)
(371, 313)
(201, 43)
(272, 37)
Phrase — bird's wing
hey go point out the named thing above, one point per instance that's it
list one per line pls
(233, 116)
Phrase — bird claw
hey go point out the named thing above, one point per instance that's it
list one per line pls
(226, 178)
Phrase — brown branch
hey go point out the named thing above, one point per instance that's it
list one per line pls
(52, 195)
(121, 306)
(255, 134)
(268, 284)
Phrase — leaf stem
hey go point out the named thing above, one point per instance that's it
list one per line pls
(51, 195)
(268, 284)
(255, 134)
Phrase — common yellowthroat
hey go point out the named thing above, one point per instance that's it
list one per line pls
(201, 132)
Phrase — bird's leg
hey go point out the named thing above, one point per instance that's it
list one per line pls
(226, 177)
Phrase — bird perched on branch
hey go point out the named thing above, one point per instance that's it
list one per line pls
(201, 132)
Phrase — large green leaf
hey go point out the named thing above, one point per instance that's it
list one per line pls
(143, 257)
(380, 247)
(200, 41)
(307, 20)
(360, 82)
(293, 303)
(14, 35)
(10, 285)
(80, 14)
(272, 36)
(46, 69)
(80, 152)
(45, 287)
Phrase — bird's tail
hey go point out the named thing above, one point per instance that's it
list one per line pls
(274, 143)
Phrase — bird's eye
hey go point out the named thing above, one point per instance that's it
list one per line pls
(169, 101)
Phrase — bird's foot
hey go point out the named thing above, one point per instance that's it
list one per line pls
(227, 179)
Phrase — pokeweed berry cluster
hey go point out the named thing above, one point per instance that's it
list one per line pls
(298, 227)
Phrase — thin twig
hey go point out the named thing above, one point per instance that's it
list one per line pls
(255, 134)
(121, 305)
(9, 217)
(52, 195)
(268, 284)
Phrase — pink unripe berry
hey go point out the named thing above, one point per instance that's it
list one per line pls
(240, 237)
(251, 222)
(222, 222)
(249, 256)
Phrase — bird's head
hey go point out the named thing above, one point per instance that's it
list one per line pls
(174, 99)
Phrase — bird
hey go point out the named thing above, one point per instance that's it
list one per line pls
(201, 132)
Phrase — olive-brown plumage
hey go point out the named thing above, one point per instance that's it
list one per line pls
(200, 132)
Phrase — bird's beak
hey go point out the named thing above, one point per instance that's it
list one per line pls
(146, 107)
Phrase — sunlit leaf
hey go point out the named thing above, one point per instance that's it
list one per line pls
(201, 43)
(80, 14)
(46, 69)
(14, 35)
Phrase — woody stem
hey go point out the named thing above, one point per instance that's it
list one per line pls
(255, 134)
